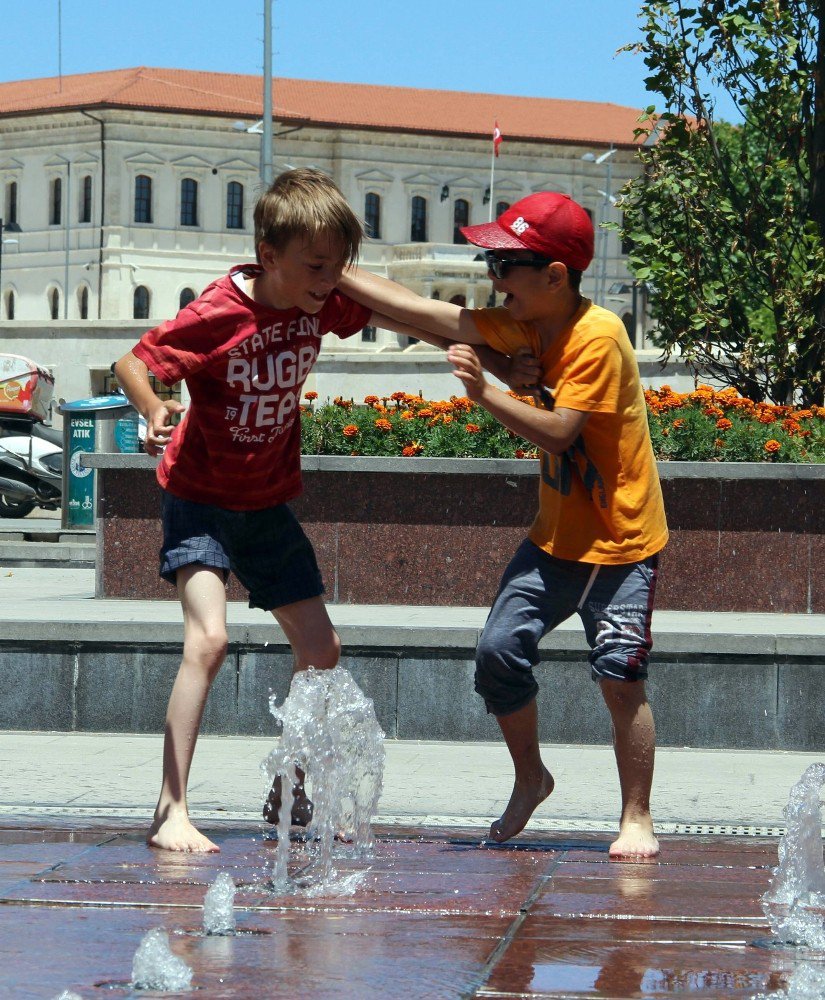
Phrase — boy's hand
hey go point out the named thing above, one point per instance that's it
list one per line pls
(159, 426)
(468, 369)
(524, 371)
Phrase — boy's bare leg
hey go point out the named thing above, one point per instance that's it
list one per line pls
(202, 595)
(314, 643)
(634, 741)
(533, 781)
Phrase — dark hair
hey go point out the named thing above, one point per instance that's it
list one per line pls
(305, 202)
(575, 278)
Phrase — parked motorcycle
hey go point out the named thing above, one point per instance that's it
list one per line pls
(31, 454)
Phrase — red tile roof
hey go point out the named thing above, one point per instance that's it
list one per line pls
(348, 105)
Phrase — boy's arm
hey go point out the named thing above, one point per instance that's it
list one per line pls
(398, 303)
(552, 431)
(133, 377)
(518, 372)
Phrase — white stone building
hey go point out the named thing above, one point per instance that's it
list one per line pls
(124, 193)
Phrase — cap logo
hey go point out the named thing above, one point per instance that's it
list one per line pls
(519, 226)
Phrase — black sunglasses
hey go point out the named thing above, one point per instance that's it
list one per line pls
(500, 265)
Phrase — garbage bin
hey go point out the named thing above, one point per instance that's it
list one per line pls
(100, 424)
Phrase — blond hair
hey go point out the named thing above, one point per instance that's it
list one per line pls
(305, 203)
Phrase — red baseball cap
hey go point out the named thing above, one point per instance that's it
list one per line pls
(548, 223)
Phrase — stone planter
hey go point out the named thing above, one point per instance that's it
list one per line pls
(744, 537)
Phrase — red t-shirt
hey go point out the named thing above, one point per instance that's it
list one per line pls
(239, 443)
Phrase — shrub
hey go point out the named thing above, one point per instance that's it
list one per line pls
(703, 425)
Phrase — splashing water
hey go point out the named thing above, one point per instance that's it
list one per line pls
(218, 912)
(68, 995)
(797, 889)
(329, 731)
(807, 982)
(155, 967)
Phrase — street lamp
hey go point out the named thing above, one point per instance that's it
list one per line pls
(11, 227)
(607, 201)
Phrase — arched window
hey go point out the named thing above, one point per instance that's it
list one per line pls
(186, 296)
(85, 214)
(234, 205)
(372, 215)
(83, 303)
(501, 207)
(54, 304)
(11, 203)
(55, 202)
(141, 303)
(10, 306)
(188, 202)
(143, 198)
(461, 217)
(418, 220)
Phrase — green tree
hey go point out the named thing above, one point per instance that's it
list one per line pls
(727, 222)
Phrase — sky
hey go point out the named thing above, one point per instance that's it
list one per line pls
(531, 48)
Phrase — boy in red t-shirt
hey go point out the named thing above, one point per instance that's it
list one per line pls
(245, 348)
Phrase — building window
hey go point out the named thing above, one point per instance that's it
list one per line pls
(188, 202)
(110, 385)
(186, 296)
(418, 223)
(368, 335)
(83, 304)
(10, 306)
(141, 303)
(56, 198)
(372, 215)
(501, 207)
(234, 205)
(54, 304)
(461, 217)
(143, 198)
(11, 204)
(85, 214)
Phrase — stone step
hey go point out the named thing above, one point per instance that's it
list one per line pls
(58, 553)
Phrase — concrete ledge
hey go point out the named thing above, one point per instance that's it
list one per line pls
(724, 681)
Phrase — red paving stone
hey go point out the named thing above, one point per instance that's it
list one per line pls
(434, 915)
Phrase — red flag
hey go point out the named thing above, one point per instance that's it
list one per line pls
(496, 138)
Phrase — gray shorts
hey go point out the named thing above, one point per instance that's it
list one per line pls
(266, 549)
(539, 592)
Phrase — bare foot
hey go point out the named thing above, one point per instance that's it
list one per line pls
(636, 840)
(176, 833)
(301, 805)
(523, 803)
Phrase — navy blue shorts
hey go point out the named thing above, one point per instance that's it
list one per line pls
(266, 549)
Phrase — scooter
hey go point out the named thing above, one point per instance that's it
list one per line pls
(31, 456)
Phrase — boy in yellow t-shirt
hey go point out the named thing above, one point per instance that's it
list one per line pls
(593, 546)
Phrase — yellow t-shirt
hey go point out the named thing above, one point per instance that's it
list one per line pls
(601, 501)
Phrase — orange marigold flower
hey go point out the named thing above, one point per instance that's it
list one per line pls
(350, 431)
(791, 425)
(713, 411)
(310, 395)
(383, 425)
(345, 404)
(408, 415)
(472, 428)
(426, 412)
(723, 424)
(772, 446)
(719, 443)
(446, 419)
(521, 453)
(370, 400)
(678, 423)
(804, 414)
(766, 417)
(411, 450)
(398, 396)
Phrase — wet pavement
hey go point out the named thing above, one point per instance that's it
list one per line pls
(434, 914)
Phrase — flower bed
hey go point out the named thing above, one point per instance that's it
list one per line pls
(703, 425)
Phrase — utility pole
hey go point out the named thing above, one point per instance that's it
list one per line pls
(266, 133)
